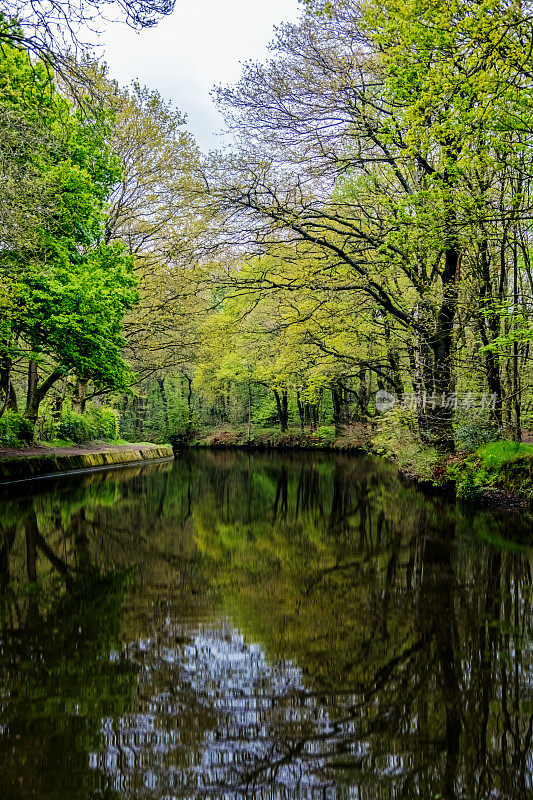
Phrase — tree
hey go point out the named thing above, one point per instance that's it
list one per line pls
(50, 29)
(64, 289)
(359, 142)
(291, 346)
(153, 210)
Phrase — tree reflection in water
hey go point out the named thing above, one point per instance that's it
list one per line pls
(298, 627)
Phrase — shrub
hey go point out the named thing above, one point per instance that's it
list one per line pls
(75, 427)
(95, 423)
(398, 437)
(106, 420)
(467, 487)
(326, 433)
(15, 430)
(265, 411)
(472, 432)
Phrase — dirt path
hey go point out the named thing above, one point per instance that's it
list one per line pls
(75, 450)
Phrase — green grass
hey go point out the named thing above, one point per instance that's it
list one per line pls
(504, 465)
(58, 443)
(495, 454)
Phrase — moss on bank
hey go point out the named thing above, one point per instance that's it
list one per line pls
(22, 468)
(504, 465)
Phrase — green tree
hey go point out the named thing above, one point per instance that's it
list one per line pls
(64, 289)
(361, 142)
(152, 210)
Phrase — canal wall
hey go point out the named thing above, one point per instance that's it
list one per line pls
(21, 468)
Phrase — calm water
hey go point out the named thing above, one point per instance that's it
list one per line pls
(236, 626)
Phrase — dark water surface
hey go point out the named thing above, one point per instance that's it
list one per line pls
(262, 626)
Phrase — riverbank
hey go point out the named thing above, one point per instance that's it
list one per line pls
(495, 475)
(355, 438)
(41, 462)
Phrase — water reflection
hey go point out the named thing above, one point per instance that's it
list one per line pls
(262, 626)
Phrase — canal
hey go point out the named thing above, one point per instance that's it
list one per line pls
(267, 626)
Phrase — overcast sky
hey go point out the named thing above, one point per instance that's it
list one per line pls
(201, 44)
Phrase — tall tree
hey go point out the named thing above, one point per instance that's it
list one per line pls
(153, 211)
(358, 143)
(64, 289)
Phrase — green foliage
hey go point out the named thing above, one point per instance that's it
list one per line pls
(432, 103)
(397, 437)
(502, 465)
(471, 432)
(467, 488)
(15, 429)
(63, 288)
(162, 414)
(326, 433)
(265, 412)
(96, 423)
(359, 286)
(73, 312)
(495, 454)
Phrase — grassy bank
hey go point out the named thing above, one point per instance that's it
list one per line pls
(503, 466)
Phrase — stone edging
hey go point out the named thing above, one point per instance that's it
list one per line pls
(21, 469)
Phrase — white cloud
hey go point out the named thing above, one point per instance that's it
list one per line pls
(201, 44)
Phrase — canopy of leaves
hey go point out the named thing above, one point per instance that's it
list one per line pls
(65, 290)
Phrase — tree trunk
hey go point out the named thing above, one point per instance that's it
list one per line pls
(79, 399)
(189, 402)
(139, 407)
(60, 399)
(364, 393)
(416, 376)
(440, 418)
(301, 411)
(161, 384)
(12, 402)
(517, 389)
(488, 324)
(337, 407)
(6, 388)
(32, 385)
(278, 408)
(345, 405)
(37, 393)
(395, 380)
(311, 415)
(508, 394)
(282, 408)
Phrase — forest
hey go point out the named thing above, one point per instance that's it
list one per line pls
(355, 268)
